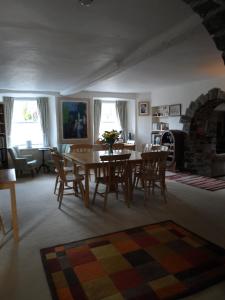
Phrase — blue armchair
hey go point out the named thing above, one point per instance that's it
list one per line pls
(22, 163)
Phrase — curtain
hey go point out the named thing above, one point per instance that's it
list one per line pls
(8, 108)
(121, 109)
(97, 118)
(42, 104)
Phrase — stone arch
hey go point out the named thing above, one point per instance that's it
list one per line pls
(200, 124)
(212, 13)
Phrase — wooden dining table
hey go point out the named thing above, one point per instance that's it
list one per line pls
(8, 181)
(91, 160)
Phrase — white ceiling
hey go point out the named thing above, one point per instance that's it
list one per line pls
(128, 46)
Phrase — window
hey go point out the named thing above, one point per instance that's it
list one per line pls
(26, 124)
(109, 119)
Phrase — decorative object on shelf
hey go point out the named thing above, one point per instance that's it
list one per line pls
(160, 111)
(143, 108)
(109, 137)
(175, 110)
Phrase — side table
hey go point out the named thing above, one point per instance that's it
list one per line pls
(43, 164)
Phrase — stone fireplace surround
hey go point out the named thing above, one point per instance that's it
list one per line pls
(200, 124)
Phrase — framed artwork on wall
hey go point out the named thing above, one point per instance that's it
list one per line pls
(175, 110)
(73, 120)
(143, 108)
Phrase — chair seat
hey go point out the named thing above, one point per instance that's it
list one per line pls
(66, 169)
(72, 177)
(32, 162)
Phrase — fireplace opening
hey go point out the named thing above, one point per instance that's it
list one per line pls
(220, 128)
(204, 123)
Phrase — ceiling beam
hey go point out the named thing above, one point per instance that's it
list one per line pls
(12, 92)
(148, 49)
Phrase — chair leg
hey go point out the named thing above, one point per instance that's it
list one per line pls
(75, 183)
(145, 186)
(106, 196)
(95, 192)
(60, 200)
(125, 191)
(163, 190)
(60, 195)
(56, 183)
(81, 186)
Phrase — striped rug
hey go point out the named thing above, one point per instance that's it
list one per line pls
(202, 182)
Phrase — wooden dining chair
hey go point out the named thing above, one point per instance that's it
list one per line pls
(81, 148)
(67, 180)
(112, 173)
(152, 173)
(146, 147)
(67, 169)
(118, 146)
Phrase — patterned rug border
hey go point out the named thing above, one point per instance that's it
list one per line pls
(185, 294)
(181, 177)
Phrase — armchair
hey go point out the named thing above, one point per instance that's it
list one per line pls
(22, 163)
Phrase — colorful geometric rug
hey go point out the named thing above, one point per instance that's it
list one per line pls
(202, 182)
(158, 261)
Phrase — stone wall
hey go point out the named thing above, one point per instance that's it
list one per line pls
(200, 124)
(212, 13)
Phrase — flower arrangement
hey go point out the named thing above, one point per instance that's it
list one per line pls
(110, 137)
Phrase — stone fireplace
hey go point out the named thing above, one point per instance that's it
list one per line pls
(204, 123)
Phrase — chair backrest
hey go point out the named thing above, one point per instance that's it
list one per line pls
(81, 148)
(114, 167)
(156, 147)
(118, 146)
(146, 147)
(100, 147)
(12, 154)
(16, 150)
(164, 148)
(154, 164)
(57, 158)
(63, 148)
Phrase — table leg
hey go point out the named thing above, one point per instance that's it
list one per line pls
(130, 194)
(86, 200)
(14, 212)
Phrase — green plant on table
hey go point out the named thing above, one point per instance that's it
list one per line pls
(110, 137)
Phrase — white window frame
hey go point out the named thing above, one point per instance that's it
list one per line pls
(26, 144)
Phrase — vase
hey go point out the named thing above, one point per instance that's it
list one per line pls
(111, 147)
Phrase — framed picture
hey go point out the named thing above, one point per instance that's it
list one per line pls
(175, 110)
(73, 120)
(143, 108)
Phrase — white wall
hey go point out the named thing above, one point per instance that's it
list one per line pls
(184, 94)
(144, 123)
(131, 117)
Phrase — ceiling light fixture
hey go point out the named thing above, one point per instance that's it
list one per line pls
(85, 2)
